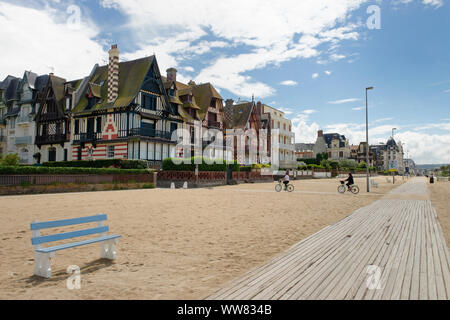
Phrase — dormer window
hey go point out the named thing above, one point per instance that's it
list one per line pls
(213, 103)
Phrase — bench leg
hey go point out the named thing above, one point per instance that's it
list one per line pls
(108, 249)
(42, 264)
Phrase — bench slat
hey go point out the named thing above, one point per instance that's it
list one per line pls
(68, 235)
(77, 244)
(67, 222)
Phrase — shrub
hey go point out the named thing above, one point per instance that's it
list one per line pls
(169, 165)
(116, 163)
(10, 160)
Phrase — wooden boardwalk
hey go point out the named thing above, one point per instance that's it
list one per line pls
(391, 249)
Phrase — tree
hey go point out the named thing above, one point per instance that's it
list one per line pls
(345, 163)
(362, 165)
(10, 160)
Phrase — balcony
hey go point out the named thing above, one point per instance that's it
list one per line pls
(51, 139)
(23, 140)
(87, 137)
(2, 139)
(23, 119)
(144, 132)
(213, 124)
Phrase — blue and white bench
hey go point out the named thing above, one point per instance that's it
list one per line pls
(42, 256)
(373, 183)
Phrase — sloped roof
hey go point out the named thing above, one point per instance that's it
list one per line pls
(240, 115)
(131, 76)
(41, 82)
(203, 94)
(12, 89)
(31, 79)
(330, 136)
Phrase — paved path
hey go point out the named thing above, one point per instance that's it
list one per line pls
(391, 249)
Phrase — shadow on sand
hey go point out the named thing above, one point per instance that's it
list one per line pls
(60, 275)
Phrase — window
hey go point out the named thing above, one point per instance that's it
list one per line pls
(213, 103)
(110, 151)
(77, 126)
(99, 124)
(148, 102)
(12, 123)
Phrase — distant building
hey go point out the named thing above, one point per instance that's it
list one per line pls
(389, 156)
(334, 144)
(286, 137)
(410, 166)
(304, 150)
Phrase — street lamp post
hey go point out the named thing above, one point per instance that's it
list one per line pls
(393, 129)
(367, 140)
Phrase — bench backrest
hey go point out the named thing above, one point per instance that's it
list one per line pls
(36, 227)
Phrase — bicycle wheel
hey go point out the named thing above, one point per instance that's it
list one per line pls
(290, 188)
(355, 189)
(278, 188)
(341, 189)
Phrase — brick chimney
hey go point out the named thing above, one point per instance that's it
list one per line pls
(320, 133)
(172, 74)
(113, 74)
(229, 110)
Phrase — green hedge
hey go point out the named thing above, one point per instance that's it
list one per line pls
(168, 165)
(117, 163)
(50, 170)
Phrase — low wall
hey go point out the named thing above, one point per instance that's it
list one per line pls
(207, 178)
(46, 179)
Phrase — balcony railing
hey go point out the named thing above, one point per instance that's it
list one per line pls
(213, 124)
(144, 132)
(23, 140)
(51, 139)
(87, 137)
(23, 119)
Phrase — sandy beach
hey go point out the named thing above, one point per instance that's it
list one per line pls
(440, 197)
(176, 244)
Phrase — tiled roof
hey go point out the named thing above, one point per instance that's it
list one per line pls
(237, 116)
(131, 76)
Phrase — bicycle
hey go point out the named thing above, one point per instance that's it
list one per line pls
(353, 188)
(279, 187)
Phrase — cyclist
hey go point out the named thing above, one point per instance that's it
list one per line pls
(350, 181)
(286, 180)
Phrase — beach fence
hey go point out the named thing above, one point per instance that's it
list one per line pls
(47, 179)
(207, 178)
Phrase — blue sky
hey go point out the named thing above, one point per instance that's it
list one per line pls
(311, 59)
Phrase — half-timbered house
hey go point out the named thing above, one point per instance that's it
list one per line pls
(122, 111)
(198, 105)
(53, 116)
(244, 119)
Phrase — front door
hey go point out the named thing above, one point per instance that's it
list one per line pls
(52, 154)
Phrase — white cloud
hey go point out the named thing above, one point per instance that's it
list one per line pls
(315, 75)
(426, 148)
(291, 34)
(309, 111)
(344, 101)
(42, 41)
(434, 3)
(328, 72)
(383, 120)
(446, 91)
(290, 83)
(359, 108)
